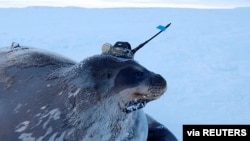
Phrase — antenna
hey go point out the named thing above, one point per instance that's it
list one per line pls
(162, 28)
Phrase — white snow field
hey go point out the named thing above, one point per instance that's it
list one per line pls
(204, 55)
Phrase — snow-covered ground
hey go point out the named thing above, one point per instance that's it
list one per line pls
(204, 55)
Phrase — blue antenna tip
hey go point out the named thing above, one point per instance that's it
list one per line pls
(161, 27)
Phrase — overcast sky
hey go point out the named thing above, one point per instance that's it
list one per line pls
(129, 3)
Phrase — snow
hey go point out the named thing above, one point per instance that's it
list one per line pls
(22, 126)
(204, 54)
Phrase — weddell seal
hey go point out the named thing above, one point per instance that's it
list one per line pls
(47, 97)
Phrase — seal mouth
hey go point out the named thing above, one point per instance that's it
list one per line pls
(140, 101)
(135, 105)
(151, 95)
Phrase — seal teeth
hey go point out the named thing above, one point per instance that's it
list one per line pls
(135, 105)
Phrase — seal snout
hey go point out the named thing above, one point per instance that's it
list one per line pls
(158, 86)
(159, 80)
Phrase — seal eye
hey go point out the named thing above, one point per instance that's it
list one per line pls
(130, 76)
(139, 74)
(109, 75)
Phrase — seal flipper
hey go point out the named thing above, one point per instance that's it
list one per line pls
(158, 132)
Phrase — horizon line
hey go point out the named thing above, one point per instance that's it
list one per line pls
(120, 5)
